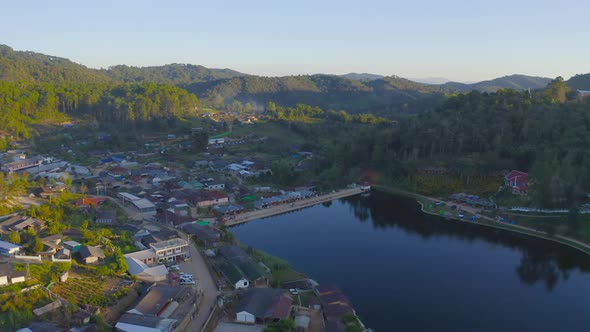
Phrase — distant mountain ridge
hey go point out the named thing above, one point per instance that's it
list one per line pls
(430, 80)
(516, 82)
(579, 82)
(220, 87)
(362, 76)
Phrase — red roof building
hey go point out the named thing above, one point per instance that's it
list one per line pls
(90, 201)
(517, 181)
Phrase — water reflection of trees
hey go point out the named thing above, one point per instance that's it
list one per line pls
(541, 261)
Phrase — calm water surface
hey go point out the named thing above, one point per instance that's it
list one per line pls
(407, 271)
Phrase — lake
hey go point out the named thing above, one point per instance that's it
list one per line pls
(407, 271)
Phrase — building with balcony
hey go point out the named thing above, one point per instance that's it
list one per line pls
(171, 250)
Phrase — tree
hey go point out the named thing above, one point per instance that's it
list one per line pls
(14, 237)
(83, 189)
(38, 244)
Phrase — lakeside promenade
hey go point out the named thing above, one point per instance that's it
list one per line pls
(283, 208)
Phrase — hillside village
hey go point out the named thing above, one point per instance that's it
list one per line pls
(133, 241)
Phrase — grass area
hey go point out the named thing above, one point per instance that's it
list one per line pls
(281, 270)
(506, 198)
(16, 308)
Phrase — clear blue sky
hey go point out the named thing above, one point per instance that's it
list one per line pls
(460, 40)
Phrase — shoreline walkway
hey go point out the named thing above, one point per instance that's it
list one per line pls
(283, 208)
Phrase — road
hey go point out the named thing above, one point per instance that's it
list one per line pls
(198, 268)
(278, 209)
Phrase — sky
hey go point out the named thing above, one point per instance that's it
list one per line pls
(459, 40)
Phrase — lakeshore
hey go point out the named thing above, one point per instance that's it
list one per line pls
(284, 208)
(431, 265)
(581, 246)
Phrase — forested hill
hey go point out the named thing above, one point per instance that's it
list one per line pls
(40, 68)
(326, 91)
(579, 82)
(516, 82)
(171, 74)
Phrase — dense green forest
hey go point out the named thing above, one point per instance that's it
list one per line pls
(169, 74)
(476, 133)
(25, 104)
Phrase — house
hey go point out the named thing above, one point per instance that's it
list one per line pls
(20, 223)
(244, 264)
(159, 301)
(234, 275)
(204, 234)
(117, 172)
(140, 323)
(63, 253)
(202, 198)
(72, 245)
(53, 241)
(22, 164)
(9, 249)
(87, 202)
(223, 210)
(171, 250)
(106, 217)
(9, 276)
(91, 255)
(263, 305)
(517, 181)
(145, 272)
(171, 217)
(142, 205)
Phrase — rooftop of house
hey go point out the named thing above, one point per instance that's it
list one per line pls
(232, 252)
(8, 245)
(155, 301)
(88, 251)
(157, 323)
(106, 214)
(265, 303)
(172, 243)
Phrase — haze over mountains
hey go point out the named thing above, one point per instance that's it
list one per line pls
(218, 87)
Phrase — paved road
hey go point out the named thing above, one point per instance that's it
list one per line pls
(198, 268)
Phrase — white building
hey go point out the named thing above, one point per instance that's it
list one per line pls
(170, 250)
(9, 249)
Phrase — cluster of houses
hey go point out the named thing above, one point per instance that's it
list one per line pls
(285, 198)
(49, 168)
